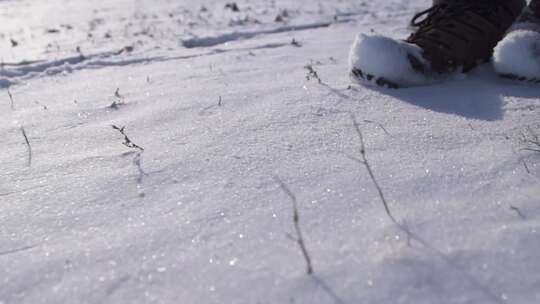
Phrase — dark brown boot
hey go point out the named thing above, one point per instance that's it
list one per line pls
(451, 36)
(535, 7)
(460, 34)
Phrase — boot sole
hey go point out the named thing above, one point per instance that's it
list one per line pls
(363, 77)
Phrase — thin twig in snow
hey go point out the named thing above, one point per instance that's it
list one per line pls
(12, 104)
(296, 220)
(365, 162)
(127, 142)
(296, 43)
(413, 236)
(16, 250)
(28, 146)
(378, 124)
(518, 211)
(137, 162)
(312, 73)
(526, 167)
(328, 290)
(407, 232)
(115, 105)
(117, 94)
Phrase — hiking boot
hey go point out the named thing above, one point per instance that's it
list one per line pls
(451, 36)
(517, 56)
(535, 7)
(462, 33)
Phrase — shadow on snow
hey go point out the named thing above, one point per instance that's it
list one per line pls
(478, 96)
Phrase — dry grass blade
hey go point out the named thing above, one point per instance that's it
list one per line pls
(12, 104)
(518, 212)
(127, 141)
(29, 147)
(117, 94)
(296, 219)
(312, 74)
(365, 162)
(411, 235)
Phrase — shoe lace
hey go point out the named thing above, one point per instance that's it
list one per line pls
(442, 16)
(430, 12)
(439, 12)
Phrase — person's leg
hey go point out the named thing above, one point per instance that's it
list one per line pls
(517, 56)
(453, 35)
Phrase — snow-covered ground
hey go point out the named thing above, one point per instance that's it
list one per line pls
(220, 102)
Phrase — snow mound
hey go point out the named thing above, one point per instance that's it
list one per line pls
(387, 58)
(518, 54)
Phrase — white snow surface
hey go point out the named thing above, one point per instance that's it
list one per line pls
(519, 54)
(197, 217)
(387, 58)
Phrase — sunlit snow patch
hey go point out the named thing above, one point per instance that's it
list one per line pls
(518, 55)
